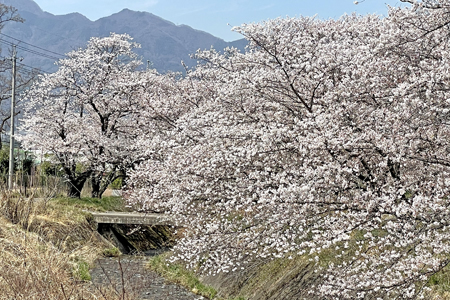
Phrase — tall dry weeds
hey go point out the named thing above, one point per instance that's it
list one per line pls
(39, 255)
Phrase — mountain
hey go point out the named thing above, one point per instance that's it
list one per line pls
(162, 42)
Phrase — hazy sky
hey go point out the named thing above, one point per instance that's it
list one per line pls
(213, 15)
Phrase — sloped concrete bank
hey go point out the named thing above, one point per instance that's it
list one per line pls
(268, 280)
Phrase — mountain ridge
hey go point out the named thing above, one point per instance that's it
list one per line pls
(163, 43)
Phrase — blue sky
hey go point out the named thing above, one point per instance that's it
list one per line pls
(213, 15)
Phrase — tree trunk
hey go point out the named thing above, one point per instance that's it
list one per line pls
(95, 183)
(102, 189)
(75, 189)
(76, 184)
(101, 182)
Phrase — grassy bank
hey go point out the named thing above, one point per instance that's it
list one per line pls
(277, 279)
(111, 203)
(47, 247)
(178, 274)
(282, 278)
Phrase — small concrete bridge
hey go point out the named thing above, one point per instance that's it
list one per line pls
(109, 225)
(132, 218)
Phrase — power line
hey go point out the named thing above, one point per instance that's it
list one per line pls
(23, 42)
(27, 68)
(29, 50)
(30, 69)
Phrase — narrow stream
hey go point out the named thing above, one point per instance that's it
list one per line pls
(128, 275)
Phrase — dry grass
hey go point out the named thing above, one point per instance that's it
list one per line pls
(33, 269)
(46, 252)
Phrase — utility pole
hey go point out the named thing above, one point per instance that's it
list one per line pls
(13, 104)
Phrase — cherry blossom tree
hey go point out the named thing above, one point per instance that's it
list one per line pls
(83, 113)
(324, 135)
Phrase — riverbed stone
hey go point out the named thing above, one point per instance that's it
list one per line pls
(111, 272)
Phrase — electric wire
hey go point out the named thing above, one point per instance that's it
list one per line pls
(40, 48)
(28, 50)
(31, 70)
(27, 68)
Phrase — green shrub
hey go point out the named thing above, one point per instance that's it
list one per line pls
(116, 184)
(111, 252)
(50, 169)
(112, 203)
(81, 271)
